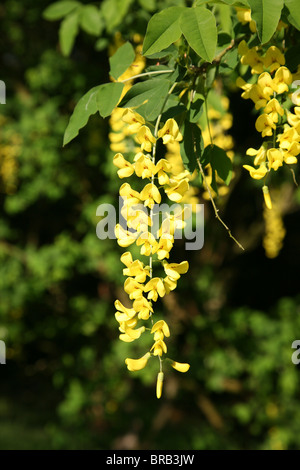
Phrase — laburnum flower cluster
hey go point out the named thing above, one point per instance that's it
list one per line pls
(279, 127)
(142, 287)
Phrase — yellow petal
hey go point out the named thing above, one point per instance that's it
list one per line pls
(137, 364)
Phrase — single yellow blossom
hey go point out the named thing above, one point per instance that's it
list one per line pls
(159, 347)
(124, 237)
(133, 288)
(156, 288)
(150, 195)
(134, 120)
(267, 197)
(273, 58)
(180, 366)
(125, 168)
(176, 190)
(137, 364)
(143, 308)
(283, 78)
(275, 158)
(162, 168)
(164, 246)
(144, 167)
(273, 108)
(145, 138)
(174, 270)
(170, 132)
(161, 329)
(265, 125)
(257, 173)
(159, 384)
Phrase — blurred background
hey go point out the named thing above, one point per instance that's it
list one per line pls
(233, 317)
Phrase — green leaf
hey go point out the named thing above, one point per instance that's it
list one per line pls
(234, 3)
(141, 92)
(58, 10)
(293, 7)
(266, 14)
(90, 20)
(85, 107)
(163, 29)
(199, 28)
(196, 108)
(121, 60)
(68, 32)
(114, 12)
(108, 97)
(191, 147)
(219, 162)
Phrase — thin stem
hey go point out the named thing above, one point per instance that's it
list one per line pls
(144, 74)
(216, 210)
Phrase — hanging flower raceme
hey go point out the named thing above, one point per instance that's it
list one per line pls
(278, 126)
(143, 287)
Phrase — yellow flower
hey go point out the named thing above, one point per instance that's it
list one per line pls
(126, 168)
(134, 120)
(144, 167)
(289, 156)
(137, 271)
(264, 124)
(267, 197)
(124, 237)
(136, 218)
(273, 58)
(143, 308)
(170, 132)
(145, 138)
(160, 330)
(261, 154)
(254, 60)
(173, 270)
(151, 195)
(275, 157)
(267, 85)
(283, 78)
(159, 384)
(159, 347)
(164, 246)
(257, 95)
(128, 333)
(156, 288)
(162, 167)
(288, 136)
(148, 243)
(133, 288)
(137, 364)
(129, 195)
(169, 284)
(294, 119)
(124, 314)
(176, 190)
(180, 366)
(257, 173)
(273, 108)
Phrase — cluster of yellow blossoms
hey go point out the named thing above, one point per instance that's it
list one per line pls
(138, 210)
(274, 229)
(9, 152)
(282, 144)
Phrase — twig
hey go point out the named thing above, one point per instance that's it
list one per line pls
(216, 210)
